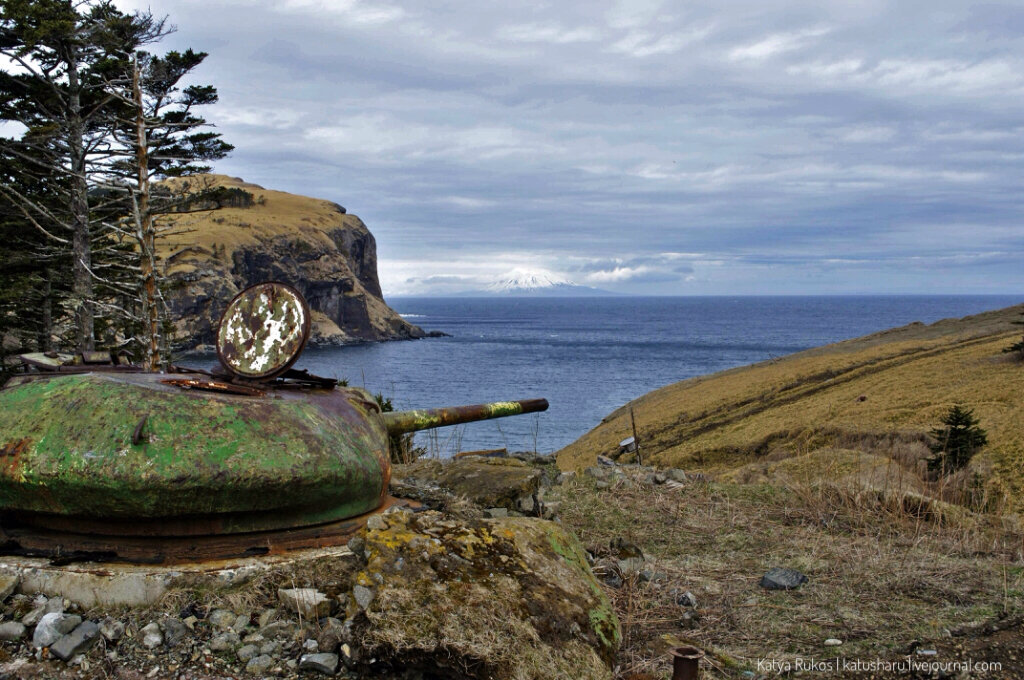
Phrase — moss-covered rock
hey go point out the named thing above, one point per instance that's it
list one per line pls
(505, 599)
(487, 482)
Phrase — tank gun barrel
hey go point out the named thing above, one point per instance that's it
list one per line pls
(400, 422)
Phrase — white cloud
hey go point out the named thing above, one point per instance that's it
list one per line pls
(641, 44)
(548, 33)
(776, 43)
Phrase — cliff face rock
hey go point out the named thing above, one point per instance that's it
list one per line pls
(328, 255)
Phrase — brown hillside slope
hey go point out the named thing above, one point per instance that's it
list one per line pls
(312, 244)
(879, 394)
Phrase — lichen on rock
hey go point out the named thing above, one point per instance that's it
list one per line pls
(508, 599)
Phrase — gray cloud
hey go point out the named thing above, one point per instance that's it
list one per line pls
(844, 144)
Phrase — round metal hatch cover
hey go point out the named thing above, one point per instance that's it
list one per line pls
(263, 331)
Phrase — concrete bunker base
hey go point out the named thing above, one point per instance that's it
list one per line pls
(110, 584)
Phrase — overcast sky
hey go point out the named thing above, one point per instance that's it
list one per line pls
(741, 147)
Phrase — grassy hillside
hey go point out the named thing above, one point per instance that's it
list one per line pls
(855, 409)
(272, 213)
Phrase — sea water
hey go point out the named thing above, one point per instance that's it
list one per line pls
(589, 356)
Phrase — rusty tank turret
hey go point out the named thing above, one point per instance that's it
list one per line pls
(104, 461)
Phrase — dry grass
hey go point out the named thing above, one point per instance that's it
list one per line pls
(884, 388)
(886, 566)
(305, 220)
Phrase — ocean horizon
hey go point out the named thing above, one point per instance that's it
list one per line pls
(590, 355)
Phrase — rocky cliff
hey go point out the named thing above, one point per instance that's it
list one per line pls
(260, 235)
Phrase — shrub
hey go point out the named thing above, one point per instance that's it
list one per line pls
(958, 440)
(1017, 347)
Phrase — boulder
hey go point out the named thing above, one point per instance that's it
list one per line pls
(488, 482)
(503, 598)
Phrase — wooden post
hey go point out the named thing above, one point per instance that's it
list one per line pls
(636, 439)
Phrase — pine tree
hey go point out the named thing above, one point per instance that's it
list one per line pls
(160, 136)
(100, 120)
(957, 441)
(60, 54)
(1017, 347)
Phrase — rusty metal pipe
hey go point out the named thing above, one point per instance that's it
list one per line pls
(399, 422)
(686, 663)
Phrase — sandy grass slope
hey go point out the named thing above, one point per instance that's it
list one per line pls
(877, 395)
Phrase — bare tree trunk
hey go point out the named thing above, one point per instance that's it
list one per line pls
(46, 332)
(82, 284)
(147, 231)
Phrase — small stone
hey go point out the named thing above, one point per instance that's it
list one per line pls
(240, 624)
(311, 646)
(222, 619)
(76, 642)
(564, 477)
(613, 580)
(648, 576)
(259, 665)
(527, 505)
(833, 642)
(363, 596)
(623, 548)
(52, 627)
(9, 580)
(660, 478)
(11, 631)
(630, 565)
(376, 523)
(357, 544)
(551, 509)
(268, 616)
(675, 474)
(190, 622)
(322, 663)
(602, 484)
(280, 629)
(174, 631)
(247, 652)
(112, 629)
(689, 619)
(332, 634)
(224, 642)
(779, 578)
(687, 599)
(254, 639)
(33, 617)
(309, 603)
(292, 664)
(151, 636)
(272, 647)
(606, 461)
(494, 513)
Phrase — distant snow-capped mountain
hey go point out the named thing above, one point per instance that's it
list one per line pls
(531, 283)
